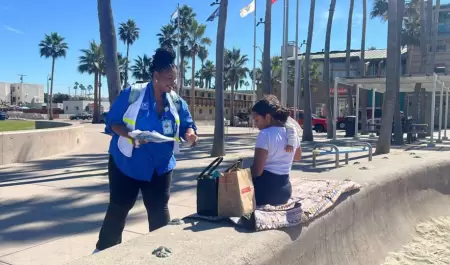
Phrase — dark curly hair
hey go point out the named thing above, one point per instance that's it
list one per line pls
(272, 106)
(163, 59)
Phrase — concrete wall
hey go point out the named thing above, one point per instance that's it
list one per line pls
(362, 229)
(22, 146)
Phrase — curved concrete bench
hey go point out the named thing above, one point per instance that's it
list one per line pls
(362, 229)
(49, 138)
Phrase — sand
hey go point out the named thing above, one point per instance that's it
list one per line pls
(431, 245)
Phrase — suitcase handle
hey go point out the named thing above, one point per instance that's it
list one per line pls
(214, 164)
(236, 165)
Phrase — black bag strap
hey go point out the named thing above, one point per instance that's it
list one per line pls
(214, 164)
(236, 165)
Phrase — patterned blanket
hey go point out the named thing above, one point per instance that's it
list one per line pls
(309, 199)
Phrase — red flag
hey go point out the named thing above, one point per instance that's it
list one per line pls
(273, 1)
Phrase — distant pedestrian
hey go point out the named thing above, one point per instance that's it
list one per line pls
(150, 106)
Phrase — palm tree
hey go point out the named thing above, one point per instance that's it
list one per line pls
(92, 61)
(202, 55)
(326, 67)
(185, 66)
(141, 68)
(83, 90)
(307, 112)
(53, 46)
(128, 33)
(347, 61)
(75, 87)
(89, 89)
(235, 70)
(219, 132)
(208, 72)
(413, 35)
(266, 54)
(109, 46)
(362, 72)
(384, 141)
(186, 17)
(168, 36)
(196, 40)
(275, 72)
(122, 68)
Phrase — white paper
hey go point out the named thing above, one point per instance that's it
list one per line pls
(152, 136)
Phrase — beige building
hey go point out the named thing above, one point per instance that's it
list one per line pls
(14, 93)
(81, 106)
(442, 59)
(205, 102)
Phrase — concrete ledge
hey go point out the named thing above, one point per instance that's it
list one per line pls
(362, 229)
(49, 138)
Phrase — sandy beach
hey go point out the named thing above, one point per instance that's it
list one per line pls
(431, 245)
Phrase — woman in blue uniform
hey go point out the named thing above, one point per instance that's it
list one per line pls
(144, 166)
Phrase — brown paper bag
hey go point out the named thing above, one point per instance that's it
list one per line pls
(236, 193)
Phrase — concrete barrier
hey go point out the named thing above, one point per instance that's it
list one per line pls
(362, 229)
(49, 138)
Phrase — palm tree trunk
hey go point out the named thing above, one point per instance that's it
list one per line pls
(99, 97)
(193, 87)
(181, 73)
(126, 70)
(364, 93)
(398, 128)
(384, 141)
(109, 46)
(307, 112)
(233, 87)
(50, 117)
(347, 55)
(95, 116)
(266, 54)
(326, 69)
(218, 148)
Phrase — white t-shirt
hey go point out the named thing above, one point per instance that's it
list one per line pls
(274, 140)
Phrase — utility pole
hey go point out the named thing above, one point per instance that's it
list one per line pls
(21, 84)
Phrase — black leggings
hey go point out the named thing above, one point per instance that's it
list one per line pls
(123, 194)
(272, 189)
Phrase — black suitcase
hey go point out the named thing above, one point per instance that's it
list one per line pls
(207, 188)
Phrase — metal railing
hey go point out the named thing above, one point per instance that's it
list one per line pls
(334, 149)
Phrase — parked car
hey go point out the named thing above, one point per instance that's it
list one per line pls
(319, 124)
(3, 116)
(81, 116)
(341, 123)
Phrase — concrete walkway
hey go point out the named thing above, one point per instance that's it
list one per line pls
(51, 210)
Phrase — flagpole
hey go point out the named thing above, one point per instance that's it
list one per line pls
(254, 55)
(179, 81)
(284, 57)
(296, 88)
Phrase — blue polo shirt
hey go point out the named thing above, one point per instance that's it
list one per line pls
(149, 157)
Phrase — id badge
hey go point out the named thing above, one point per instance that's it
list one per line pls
(167, 127)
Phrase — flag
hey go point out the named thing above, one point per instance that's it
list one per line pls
(248, 9)
(174, 15)
(214, 15)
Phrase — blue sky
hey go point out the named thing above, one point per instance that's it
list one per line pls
(23, 24)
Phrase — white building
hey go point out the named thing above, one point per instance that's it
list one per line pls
(13, 93)
(80, 106)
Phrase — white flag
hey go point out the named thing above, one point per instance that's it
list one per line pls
(248, 9)
(174, 15)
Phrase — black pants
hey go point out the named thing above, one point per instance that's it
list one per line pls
(123, 194)
(272, 189)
